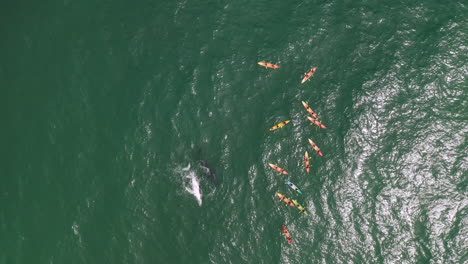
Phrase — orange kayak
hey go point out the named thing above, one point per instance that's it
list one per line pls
(268, 65)
(315, 147)
(309, 109)
(307, 162)
(317, 122)
(278, 168)
(285, 199)
(280, 125)
(309, 74)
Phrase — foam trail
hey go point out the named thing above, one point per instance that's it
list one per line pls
(196, 191)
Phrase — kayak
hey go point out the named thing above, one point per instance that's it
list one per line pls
(285, 199)
(300, 207)
(278, 168)
(294, 187)
(316, 122)
(315, 147)
(309, 74)
(268, 65)
(287, 234)
(280, 125)
(307, 162)
(309, 109)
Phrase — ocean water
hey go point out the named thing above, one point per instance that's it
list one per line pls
(111, 106)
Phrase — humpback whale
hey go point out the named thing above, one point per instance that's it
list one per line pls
(204, 167)
(209, 172)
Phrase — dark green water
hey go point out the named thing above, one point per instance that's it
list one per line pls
(107, 103)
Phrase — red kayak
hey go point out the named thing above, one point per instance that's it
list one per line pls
(317, 122)
(287, 234)
(315, 147)
(309, 109)
(309, 74)
(276, 167)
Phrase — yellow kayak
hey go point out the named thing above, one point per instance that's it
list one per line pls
(280, 125)
(300, 207)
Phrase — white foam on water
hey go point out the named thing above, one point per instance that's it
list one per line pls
(195, 187)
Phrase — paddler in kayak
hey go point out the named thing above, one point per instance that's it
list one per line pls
(307, 162)
(294, 187)
(315, 147)
(316, 122)
(268, 65)
(309, 74)
(285, 199)
(280, 125)
(276, 167)
(299, 206)
(309, 109)
(287, 234)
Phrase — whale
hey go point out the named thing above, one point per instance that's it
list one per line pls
(205, 167)
(209, 171)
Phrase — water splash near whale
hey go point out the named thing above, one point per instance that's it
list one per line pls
(195, 187)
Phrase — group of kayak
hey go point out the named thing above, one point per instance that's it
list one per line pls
(274, 66)
(313, 118)
(292, 202)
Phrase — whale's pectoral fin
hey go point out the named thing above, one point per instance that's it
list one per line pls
(186, 168)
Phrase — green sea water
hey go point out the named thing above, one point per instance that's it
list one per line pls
(108, 107)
